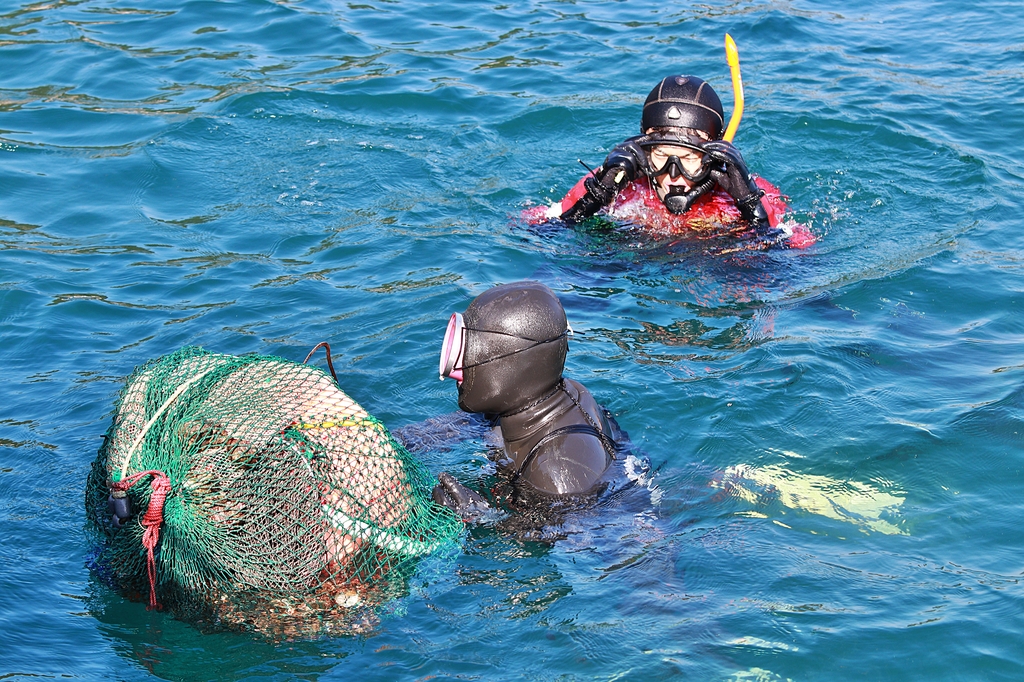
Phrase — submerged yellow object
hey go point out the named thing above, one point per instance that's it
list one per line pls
(842, 500)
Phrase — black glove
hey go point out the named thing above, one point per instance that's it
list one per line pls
(618, 169)
(731, 174)
(468, 505)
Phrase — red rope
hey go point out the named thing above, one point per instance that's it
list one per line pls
(154, 517)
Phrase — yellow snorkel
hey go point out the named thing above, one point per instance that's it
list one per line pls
(733, 57)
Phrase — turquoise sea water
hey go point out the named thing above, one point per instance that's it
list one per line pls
(260, 176)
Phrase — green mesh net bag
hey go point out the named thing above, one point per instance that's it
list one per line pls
(252, 493)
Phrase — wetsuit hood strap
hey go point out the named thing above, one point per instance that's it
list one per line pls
(564, 430)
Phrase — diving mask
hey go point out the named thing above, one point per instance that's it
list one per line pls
(679, 160)
(452, 348)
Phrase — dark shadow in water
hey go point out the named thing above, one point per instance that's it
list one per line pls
(170, 649)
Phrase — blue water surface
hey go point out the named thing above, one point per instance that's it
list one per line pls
(835, 434)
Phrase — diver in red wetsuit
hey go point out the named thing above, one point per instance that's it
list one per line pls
(679, 173)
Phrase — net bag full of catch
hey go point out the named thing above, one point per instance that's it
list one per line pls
(252, 493)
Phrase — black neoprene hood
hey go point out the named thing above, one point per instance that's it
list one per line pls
(515, 348)
(684, 102)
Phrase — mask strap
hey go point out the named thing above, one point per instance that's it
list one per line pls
(606, 441)
(510, 353)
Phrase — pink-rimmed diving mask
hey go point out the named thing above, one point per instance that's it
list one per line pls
(452, 349)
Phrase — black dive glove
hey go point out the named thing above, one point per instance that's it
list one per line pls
(468, 505)
(731, 174)
(618, 169)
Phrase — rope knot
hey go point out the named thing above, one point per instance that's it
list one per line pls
(151, 521)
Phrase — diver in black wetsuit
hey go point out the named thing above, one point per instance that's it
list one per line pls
(507, 353)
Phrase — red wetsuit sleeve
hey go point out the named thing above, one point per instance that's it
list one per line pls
(538, 214)
(575, 194)
(773, 202)
(800, 236)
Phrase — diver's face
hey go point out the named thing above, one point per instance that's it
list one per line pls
(667, 172)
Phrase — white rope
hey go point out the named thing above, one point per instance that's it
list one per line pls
(378, 536)
(167, 403)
